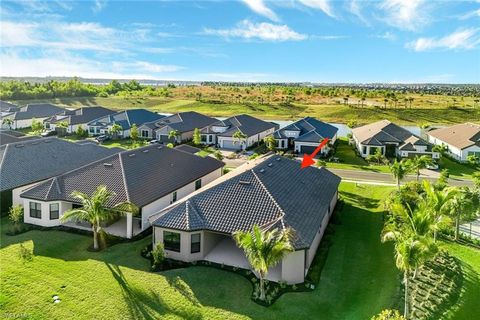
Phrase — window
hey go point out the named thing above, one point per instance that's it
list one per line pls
(145, 134)
(174, 196)
(198, 184)
(203, 138)
(54, 212)
(171, 241)
(36, 210)
(364, 150)
(91, 130)
(473, 153)
(195, 243)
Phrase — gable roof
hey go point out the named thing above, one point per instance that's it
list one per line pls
(127, 118)
(461, 136)
(81, 115)
(37, 110)
(140, 176)
(310, 130)
(248, 125)
(271, 193)
(27, 162)
(7, 137)
(183, 121)
(8, 107)
(384, 131)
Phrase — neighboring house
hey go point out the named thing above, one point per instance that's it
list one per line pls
(24, 116)
(125, 119)
(461, 140)
(7, 108)
(392, 140)
(184, 122)
(77, 118)
(24, 164)
(151, 177)
(221, 133)
(304, 135)
(273, 192)
(8, 136)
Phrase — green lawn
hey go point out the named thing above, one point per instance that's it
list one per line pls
(433, 113)
(457, 170)
(359, 278)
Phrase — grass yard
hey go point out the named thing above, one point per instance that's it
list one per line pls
(427, 111)
(456, 169)
(359, 278)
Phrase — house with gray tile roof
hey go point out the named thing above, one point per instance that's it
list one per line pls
(304, 135)
(151, 177)
(10, 136)
(273, 192)
(77, 118)
(221, 133)
(125, 119)
(27, 163)
(7, 108)
(23, 117)
(392, 141)
(183, 122)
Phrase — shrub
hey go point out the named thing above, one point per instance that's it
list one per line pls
(158, 255)
(388, 315)
(82, 133)
(218, 155)
(253, 156)
(321, 163)
(25, 253)
(15, 214)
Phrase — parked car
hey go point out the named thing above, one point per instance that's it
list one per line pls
(154, 141)
(48, 133)
(102, 138)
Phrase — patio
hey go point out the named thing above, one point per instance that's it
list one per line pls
(118, 228)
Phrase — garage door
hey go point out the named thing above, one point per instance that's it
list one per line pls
(164, 139)
(228, 144)
(307, 149)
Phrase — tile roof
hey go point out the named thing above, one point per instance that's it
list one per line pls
(244, 123)
(27, 162)
(461, 136)
(140, 176)
(183, 121)
(127, 118)
(81, 115)
(311, 130)
(187, 148)
(37, 110)
(275, 191)
(8, 107)
(7, 137)
(384, 131)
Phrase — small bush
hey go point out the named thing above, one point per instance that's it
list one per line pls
(158, 255)
(388, 315)
(25, 254)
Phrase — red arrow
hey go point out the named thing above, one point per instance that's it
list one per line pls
(308, 159)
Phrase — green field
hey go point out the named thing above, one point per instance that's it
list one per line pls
(431, 112)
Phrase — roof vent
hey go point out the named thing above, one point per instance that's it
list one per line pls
(278, 159)
(145, 151)
(262, 170)
(159, 147)
(131, 155)
(47, 141)
(106, 164)
(270, 164)
(244, 182)
(19, 145)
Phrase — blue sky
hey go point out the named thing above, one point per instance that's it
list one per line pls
(251, 40)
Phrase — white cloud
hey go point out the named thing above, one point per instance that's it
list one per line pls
(471, 14)
(260, 7)
(355, 8)
(405, 14)
(63, 64)
(236, 77)
(460, 39)
(99, 5)
(323, 5)
(264, 31)
(386, 36)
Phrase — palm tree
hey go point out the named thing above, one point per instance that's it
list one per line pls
(173, 135)
(464, 206)
(94, 210)
(239, 137)
(264, 249)
(115, 130)
(8, 122)
(413, 246)
(476, 179)
(418, 163)
(399, 169)
(438, 202)
(270, 142)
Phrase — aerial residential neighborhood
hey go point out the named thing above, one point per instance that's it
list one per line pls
(239, 160)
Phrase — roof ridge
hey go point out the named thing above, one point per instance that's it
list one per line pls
(268, 193)
(124, 178)
(50, 188)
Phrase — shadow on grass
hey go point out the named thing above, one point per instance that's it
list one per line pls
(359, 201)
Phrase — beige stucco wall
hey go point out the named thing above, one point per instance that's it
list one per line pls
(45, 220)
(293, 267)
(18, 191)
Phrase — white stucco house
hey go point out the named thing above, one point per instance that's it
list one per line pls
(76, 118)
(264, 192)
(304, 135)
(151, 177)
(392, 140)
(461, 140)
(221, 133)
(26, 163)
(23, 117)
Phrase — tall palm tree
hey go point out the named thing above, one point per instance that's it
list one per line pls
(270, 142)
(418, 163)
(464, 206)
(438, 202)
(95, 211)
(173, 135)
(264, 249)
(239, 137)
(399, 170)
